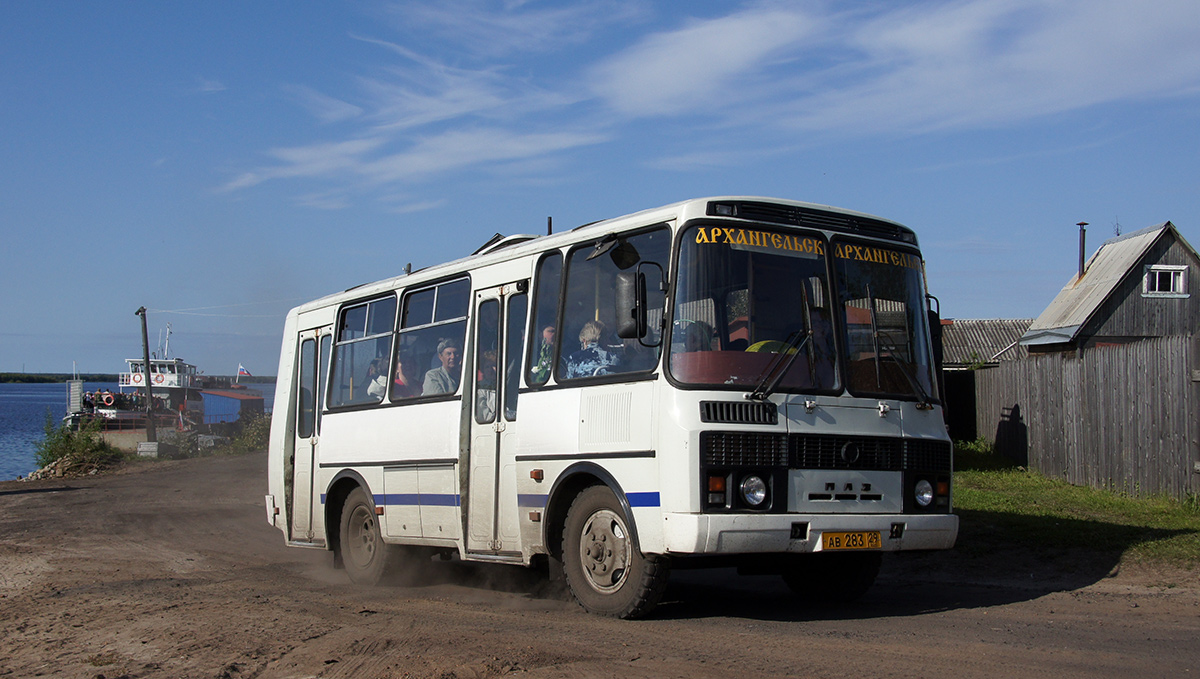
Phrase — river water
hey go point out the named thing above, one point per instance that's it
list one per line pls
(23, 409)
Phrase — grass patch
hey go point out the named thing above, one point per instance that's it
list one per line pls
(1011, 507)
(75, 452)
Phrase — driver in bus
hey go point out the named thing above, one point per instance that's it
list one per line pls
(444, 379)
(591, 359)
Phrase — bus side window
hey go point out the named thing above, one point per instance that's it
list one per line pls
(307, 417)
(433, 326)
(589, 346)
(542, 340)
(362, 352)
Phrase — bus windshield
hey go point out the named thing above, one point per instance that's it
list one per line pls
(881, 295)
(752, 303)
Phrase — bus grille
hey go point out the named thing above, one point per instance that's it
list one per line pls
(747, 412)
(735, 448)
(926, 455)
(845, 452)
(809, 451)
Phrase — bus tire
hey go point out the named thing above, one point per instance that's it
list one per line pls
(365, 555)
(832, 578)
(602, 566)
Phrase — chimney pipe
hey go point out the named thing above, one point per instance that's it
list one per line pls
(1082, 238)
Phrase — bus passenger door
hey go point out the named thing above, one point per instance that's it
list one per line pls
(310, 377)
(491, 498)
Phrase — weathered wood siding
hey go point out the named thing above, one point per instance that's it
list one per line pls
(1127, 314)
(1121, 417)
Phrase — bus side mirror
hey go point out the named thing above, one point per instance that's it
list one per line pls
(631, 304)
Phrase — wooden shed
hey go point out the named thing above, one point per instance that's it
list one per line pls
(969, 345)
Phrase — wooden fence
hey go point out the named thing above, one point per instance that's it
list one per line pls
(1121, 417)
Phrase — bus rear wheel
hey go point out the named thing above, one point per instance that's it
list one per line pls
(365, 555)
(603, 567)
(832, 578)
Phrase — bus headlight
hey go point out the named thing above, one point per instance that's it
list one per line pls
(923, 493)
(754, 490)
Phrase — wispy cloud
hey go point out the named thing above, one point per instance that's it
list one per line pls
(316, 160)
(767, 75)
(460, 149)
(325, 108)
(915, 68)
(483, 28)
(702, 64)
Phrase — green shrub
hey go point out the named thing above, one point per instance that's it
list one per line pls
(252, 434)
(78, 450)
(979, 455)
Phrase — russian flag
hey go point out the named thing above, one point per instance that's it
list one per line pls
(242, 372)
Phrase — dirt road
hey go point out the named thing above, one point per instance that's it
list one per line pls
(169, 569)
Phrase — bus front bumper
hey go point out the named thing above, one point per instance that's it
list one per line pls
(800, 533)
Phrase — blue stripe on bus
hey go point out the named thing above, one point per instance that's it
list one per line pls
(418, 499)
(649, 499)
(537, 501)
(635, 500)
(643, 499)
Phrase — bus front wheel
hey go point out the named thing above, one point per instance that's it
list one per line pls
(603, 567)
(364, 553)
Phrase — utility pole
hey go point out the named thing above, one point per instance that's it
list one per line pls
(151, 435)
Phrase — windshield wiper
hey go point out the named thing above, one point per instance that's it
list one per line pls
(925, 403)
(782, 363)
(874, 338)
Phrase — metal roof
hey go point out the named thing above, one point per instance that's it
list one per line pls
(237, 395)
(968, 340)
(1082, 296)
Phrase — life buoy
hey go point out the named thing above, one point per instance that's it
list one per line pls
(158, 379)
(108, 399)
(137, 377)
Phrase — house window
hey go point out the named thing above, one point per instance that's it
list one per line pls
(1164, 280)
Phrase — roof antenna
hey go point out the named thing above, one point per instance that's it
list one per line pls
(549, 226)
(1117, 226)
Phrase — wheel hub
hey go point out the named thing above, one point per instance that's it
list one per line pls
(605, 551)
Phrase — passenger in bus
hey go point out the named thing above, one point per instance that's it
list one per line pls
(545, 361)
(591, 359)
(407, 382)
(377, 378)
(697, 336)
(486, 375)
(444, 379)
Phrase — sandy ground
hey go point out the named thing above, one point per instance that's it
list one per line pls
(169, 569)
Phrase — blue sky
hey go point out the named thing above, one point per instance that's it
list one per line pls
(221, 162)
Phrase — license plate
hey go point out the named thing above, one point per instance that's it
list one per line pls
(870, 539)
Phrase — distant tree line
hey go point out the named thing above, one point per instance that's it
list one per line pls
(52, 378)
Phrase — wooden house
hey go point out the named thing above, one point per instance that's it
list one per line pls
(1135, 287)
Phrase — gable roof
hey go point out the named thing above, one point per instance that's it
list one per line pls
(1082, 296)
(967, 341)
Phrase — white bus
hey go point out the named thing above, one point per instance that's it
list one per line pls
(730, 381)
